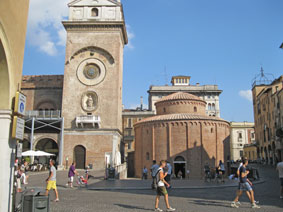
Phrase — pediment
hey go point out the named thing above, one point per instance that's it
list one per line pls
(94, 3)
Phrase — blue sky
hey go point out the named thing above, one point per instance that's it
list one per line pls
(215, 42)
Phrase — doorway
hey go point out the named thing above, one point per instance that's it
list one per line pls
(180, 167)
(80, 156)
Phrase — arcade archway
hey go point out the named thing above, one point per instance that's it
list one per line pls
(48, 145)
(4, 79)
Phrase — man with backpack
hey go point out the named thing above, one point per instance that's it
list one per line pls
(161, 187)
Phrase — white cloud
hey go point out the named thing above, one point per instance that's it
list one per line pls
(131, 36)
(45, 30)
(246, 94)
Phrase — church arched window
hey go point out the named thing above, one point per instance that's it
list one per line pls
(195, 109)
(147, 156)
(94, 12)
(213, 106)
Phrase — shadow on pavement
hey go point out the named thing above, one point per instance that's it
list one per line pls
(132, 207)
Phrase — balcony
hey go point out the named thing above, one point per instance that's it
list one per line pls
(94, 121)
(43, 114)
(129, 138)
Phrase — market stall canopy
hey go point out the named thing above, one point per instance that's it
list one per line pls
(36, 153)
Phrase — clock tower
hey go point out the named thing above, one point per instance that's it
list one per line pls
(92, 91)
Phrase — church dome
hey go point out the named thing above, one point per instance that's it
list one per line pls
(180, 102)
(180, 96)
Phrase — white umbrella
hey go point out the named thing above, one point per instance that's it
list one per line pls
(29, 153)
(41, 153)
(36, 153)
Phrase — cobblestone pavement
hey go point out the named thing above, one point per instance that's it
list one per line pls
(185, 200)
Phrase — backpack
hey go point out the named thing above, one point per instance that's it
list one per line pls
(155, 181)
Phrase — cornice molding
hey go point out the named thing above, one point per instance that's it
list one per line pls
(97, 26)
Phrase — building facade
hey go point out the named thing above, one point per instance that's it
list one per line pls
(183, 134)
(81, 112)
(130, 118)
(267, 104)
(13, 22)
(209, 93)
(250, 152)
(241, 134)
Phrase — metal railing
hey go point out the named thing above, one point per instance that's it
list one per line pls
(45, 114)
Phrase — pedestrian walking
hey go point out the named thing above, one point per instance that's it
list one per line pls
(169, 172)
(18, 178)
(244, 185)
(279, 168)
(161, 187)
(51, 180)
(144, 173)
(72, 172)
(153, 170)
(24, 171)
(221, 169)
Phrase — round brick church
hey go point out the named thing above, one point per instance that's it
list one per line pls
(183, 134)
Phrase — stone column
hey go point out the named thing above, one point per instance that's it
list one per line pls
(7, 155)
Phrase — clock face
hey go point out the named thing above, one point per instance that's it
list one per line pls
(91, 71)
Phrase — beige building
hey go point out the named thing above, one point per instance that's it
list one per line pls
(78, 116)
(209, 93)
(182, 133)
(241, 134)
(250, 152)
(268, 110)
(130, 118)
(13, 22)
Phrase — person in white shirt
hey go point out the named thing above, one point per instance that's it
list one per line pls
(280, 173)
(161, 188)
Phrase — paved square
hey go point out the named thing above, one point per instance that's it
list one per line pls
(187, 200)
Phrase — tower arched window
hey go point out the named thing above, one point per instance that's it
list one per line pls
(94, 12)
(209, 106)
(213, 106)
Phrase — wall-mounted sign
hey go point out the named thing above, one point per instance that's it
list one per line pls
(18, 128)
(20, 103)
(19, 150)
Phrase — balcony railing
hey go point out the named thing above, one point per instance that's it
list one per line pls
(94, 120)
(44, 114)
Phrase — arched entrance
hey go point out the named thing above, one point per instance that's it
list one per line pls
(48, 145)
(180, 165)
(80, 156)
(4, 79)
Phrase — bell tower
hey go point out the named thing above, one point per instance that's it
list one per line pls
(92, 91)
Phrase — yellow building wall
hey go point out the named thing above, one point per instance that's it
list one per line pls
(13, 22)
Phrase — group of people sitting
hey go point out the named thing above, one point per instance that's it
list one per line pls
(216, 173)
